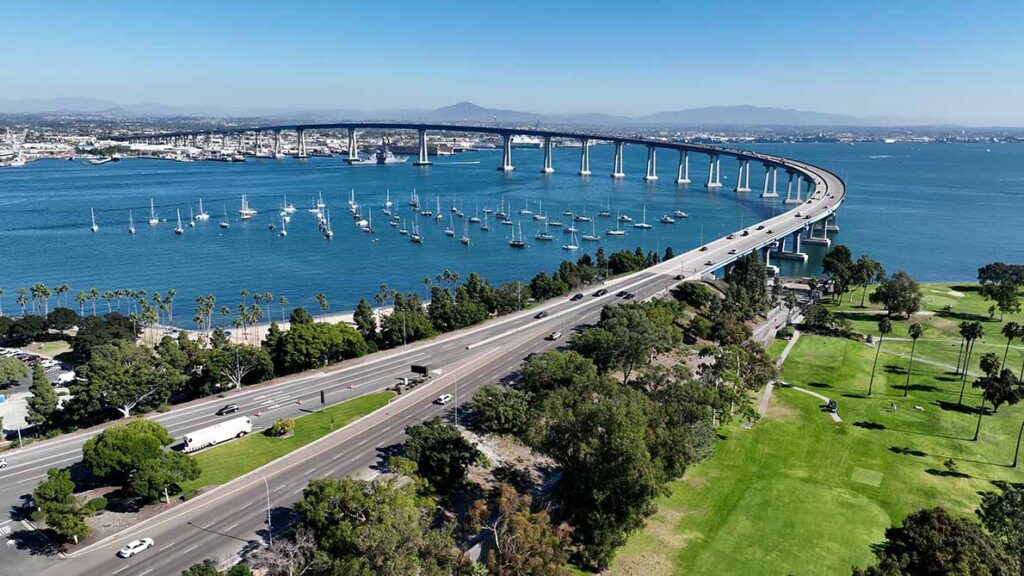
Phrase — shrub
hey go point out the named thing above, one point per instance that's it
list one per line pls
(36, 516)
(785, 333)
(694, 294)
(281, 427)
(97, 504)
(163, 408)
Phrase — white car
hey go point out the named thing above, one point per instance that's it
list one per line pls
(134, 547)
(554, 336)
(443, 399)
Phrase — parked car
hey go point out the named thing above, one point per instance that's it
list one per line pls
(229, 409)
(134, 547)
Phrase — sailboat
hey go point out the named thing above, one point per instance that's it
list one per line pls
(555, 223)
(394, 220)
(428, 213)
(403, 230)
(501, 215)
(131, 223)
(643, 224)
(153, 220)
(178, 229)
(224, 221)
(202, 216)
(454, 207)
(592, 237)
(94, 227)
(286, 207)
(450, 230)
(488, 210)
(415, 236)
(328, 231)
(438, 216)
(539, 215)
(568, 213)
(617, 231)
(572, 245)
(666, 219)
(465, 234)
(369, 224)
(284, 229)
(314, 209)
(681, 214)
(191, 218)
(517, 243)
(606, 212)
(245, 211)
(414, 200)
(543, 234)
(320, 201)
(475, 218)
(581, 217)
(526, 211)
(624, 218)
(484, 226)
(387, 203)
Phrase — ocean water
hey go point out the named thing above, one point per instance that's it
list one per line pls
(938, 211)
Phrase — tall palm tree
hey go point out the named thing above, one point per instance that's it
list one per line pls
(169, 301)
(268, 297)
(62, 294)
(790, 299)
(321, 299)
(22, 299)
(884, 327)
(109, 296)
(94, 296)
(963, 329)
(915, 331)
(283, 301)
(1010, 331)
(991, 367)
(1020, 336)
(81, 298)
(974, 332)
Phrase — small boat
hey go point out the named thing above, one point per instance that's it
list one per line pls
(465, 234)
(224, 221)
(488, 211)
(131, 223)
(202, 216)
(517, 243)
(387, 199)
(94, 227)
(475, 219)
(666, 219)
(568, 213)
(617, 231)
(245, 211)
(543, 234)
(191, 218)
(414, 200)
(320, 201)
(403, 230)
(438, 216)
(570, 230)
(606, 212)
(369, 224)
(681, 214)
(484, 226)
(415, 237)
(624, 218)
(643, 223)
(153, 220)
(271, 226)
(286, 207)
(450, 229)
(592, 237)
(328, 231)
(572, 245)
(314, 209)
(178, 229)
(555, 223)
(581, 218)
(501, 215)
(284, 229)
(393, 222)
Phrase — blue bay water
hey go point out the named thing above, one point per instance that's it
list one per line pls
(937, 210)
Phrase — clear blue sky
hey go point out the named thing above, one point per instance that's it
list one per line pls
(958, 61)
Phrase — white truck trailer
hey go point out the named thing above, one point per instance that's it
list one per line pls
(220, 432)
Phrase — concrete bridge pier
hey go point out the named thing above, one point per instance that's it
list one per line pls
(683, 172)
(830, 223)
(790, 199)
(301, 136)
(506, 154)
(794, 252)
(549, 167)
(585, 157)
(766, 253)
(817, 233)
(770, 173)
(259, 148)
(617, 164)
(353, 147)
(423, 159)
(277, 142)
(652, 164)
(743, 178)
(714, 172)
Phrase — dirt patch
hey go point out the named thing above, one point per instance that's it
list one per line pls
(957, 294)
(780, 410)
(667, 540)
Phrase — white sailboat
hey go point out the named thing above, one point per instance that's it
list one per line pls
(224, 220)
(131, 223)
(617, 231)
(387, 199)
(284, 229)
(328, 231)
(592, 237)
(245, 211)
(320, 201)
(438, 216)
(484, 226)
(369, 224)
(539, 215)
(607, 211)
(178, 229)
(643, 224)
(153, 220)
(202, 216)
(94, 227)
(450, 229)
(191, 218)
(572, 245)
(287, 208)
(465, 234)
(543, 234)
(681, 214)
(517, 243)
(403, 230)
(314, 209)
(415, 237)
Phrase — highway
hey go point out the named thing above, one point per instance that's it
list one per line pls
(224, 521)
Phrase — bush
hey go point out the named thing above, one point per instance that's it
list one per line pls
(36, 516)
(281, 427)
(694, 294)
(163, 408)
(97, 504)
(785, 333)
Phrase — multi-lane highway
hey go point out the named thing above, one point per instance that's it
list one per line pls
(224, 521)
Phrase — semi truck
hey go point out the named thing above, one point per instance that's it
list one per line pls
(220, 432)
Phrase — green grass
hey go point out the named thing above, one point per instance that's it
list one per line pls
(800, 494)
(229, 461)
(52, 348)
(776, 347)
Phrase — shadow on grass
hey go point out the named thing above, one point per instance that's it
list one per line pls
(954, 407)
(893, 369)
(907, 451)
(963, 316)
(947, 473)
(923, 388)
(818, 385)
(853, 395)
(966, 288)
(869, 425)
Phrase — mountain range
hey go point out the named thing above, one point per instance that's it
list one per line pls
(744, 115)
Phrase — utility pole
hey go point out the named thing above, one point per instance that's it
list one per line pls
(270, 528)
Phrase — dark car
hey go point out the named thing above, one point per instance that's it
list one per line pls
(229, 409)
(601, 292)
(621, 293)
(577, 296)
(629, 296)
(541, 314)
(703, 248)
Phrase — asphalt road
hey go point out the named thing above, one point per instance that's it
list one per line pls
(226, 520)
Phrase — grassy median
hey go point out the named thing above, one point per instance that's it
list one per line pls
(226, 462)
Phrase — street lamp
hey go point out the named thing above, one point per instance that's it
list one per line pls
(270, 528)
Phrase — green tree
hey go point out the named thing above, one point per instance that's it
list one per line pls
(884, 327)
(1002, 513)
(523, 542)
(838, 266)
(500, 409)
(864, 271)
(57, 488)
(1010, 331)
(365, 321)
(915, 330)
(555, 369)
(121, 449)
(62, 319)
(67, 520)
(237, 365)
(900, 294)
(635, 338)
(442, 454)
(933, 542)
(163, 475)
(747, 292)
(972, 332)
(205, 568)
(11, 369)
(307, 346)
(42, 404)
(374, 528)
(300, 316)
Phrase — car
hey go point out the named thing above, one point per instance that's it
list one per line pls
(808, 217)
(621, 293)
(761, 227)
(745, 233)
(832, 407)
(134, 547)
(730, 236)
(3, 462)
(541, 314)
(443, 399)
(553, 336)
(703, 248)
(797, 215)
(733, 251)
(577, 296)
(677, 277)
(601, 292)
(709, 262)
(629, 296)
(769, 231)
(228, 409)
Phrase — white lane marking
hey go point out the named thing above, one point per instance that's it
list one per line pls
(144, 573)
(31, 479)
(363, 442)
(230, 527)
(121, 569)
(190, 549)
(298, 490)
(278, 488)
(311, 470)
(166, 547)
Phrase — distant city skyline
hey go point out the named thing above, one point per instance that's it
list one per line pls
(941, 62)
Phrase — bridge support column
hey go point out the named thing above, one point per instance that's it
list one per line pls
(830, 223)
(548, 164)
(822, 239)
(652, 164)
(585, 157)
(714, 172)
(683, 172)
(506, 154)
(353, 147)
(743, 178)
(277, 142)
(423, 160)
(770, 173)
(767, 254)
(789, 189)
(301, 136)
(617, 164)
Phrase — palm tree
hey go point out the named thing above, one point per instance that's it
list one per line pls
(321, 299)
(169, 301)
(382, 297)
(963, 329)
(81, 298)
(1020, 336)
(990, 366)
(884, 327)
(268, 297)
(1010, 331)
(915, 331)
(109, 296)
(790, 299)
(62, 294)
(22, 299)
(94, 296)
(974, 331)
(283, 301)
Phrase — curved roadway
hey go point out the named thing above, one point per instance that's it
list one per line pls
(232, 517)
